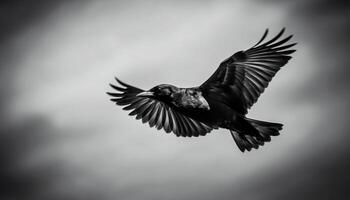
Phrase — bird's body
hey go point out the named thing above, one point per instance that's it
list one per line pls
(201, 106)
(220, 102)
(205, 107)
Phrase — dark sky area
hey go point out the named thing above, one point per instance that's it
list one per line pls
(61, 137)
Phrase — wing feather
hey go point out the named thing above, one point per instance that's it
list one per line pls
(248, 73)
(153, 115)
(167, 121)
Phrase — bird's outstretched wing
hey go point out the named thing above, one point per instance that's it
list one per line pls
(156, 113)
(241, 78)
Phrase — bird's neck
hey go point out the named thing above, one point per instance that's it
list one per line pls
(189, 98)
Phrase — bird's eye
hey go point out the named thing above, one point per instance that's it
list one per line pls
(155, 90)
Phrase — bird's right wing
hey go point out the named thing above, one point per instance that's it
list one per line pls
(241, 78)
(156, 113)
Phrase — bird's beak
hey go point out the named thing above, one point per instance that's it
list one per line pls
(145, 94)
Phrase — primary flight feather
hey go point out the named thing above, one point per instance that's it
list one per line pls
(222, 101)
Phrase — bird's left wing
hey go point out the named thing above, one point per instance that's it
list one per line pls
(156, 113)
(241, 78)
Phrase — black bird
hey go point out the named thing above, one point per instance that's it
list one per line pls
(220, 102)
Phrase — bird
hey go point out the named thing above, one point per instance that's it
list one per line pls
(222, 101)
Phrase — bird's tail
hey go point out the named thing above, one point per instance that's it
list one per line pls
(246, 141)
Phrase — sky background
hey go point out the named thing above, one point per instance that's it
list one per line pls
(61, 137)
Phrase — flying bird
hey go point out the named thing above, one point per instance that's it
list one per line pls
(222, 101)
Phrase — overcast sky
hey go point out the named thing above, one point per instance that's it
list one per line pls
(61, 137)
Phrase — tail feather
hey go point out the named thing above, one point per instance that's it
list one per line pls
(241, 141)
(246, 141)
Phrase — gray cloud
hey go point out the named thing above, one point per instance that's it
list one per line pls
(63, 139)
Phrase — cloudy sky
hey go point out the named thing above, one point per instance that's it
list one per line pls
(61, 137)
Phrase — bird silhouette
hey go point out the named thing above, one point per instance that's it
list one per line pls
(222, 101)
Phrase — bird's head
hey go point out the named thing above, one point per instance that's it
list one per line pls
(159, 91)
